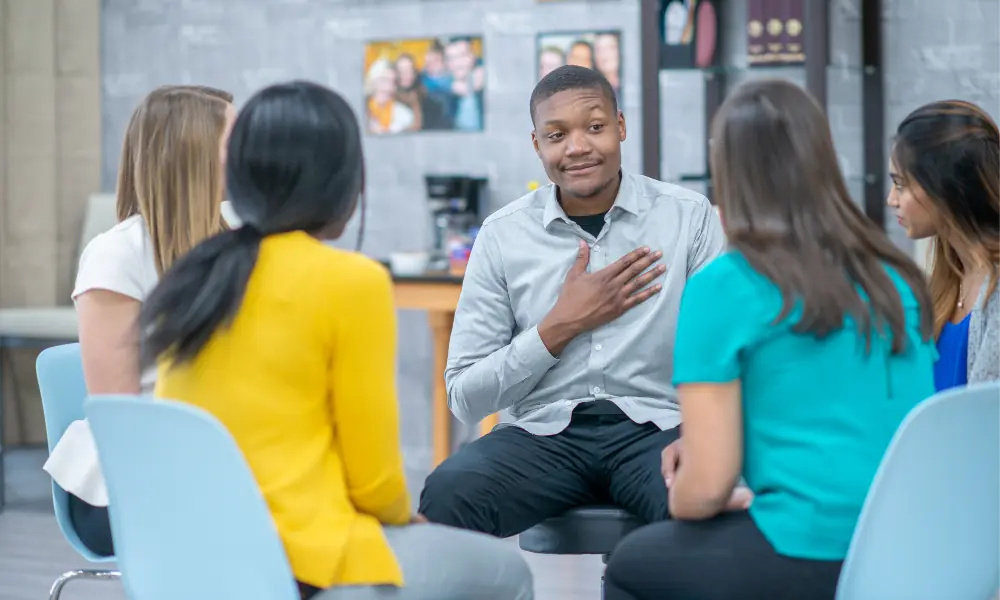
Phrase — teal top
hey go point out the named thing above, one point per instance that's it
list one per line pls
(818, 414)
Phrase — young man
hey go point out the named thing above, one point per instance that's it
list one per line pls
(567, 318)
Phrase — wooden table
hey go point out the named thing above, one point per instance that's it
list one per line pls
(437, 294)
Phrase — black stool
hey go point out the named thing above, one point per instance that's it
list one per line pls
(584, 530)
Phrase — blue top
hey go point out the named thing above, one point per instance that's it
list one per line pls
(818, 414)
(952, 368)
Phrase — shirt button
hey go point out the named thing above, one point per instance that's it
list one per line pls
(597, 247)
(597, 390)
(597, 347)
(568, 402)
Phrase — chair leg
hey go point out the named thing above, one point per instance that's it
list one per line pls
(68, 576)
(604, 559)
(3, 447)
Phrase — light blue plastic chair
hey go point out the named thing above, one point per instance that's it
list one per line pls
(188, 518)
(63, 390)
(928, 529)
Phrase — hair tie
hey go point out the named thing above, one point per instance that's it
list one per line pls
(249, 233)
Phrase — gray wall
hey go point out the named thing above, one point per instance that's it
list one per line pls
(242, 45)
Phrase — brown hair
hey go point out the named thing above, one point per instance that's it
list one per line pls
(786, 209)
(173, 169)
(951, 149)
(126, 203)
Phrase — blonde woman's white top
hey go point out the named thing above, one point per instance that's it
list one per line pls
(119, 260)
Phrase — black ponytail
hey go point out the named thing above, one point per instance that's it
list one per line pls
(294, 163)
(200, 294)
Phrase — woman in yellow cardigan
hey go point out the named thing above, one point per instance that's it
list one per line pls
(292, 345)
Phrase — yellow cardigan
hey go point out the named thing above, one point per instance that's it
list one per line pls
(304, 379)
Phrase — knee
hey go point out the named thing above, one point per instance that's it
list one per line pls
(629, 562)
(459, 498)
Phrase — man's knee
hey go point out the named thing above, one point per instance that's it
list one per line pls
(459, 497)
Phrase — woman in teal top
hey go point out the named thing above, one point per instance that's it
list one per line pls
(798, 353)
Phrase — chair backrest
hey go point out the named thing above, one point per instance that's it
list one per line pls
(187, 516)
(928, 529)
(63, 391)
(62, 387)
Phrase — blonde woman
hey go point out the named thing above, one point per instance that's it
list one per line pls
(946, 187)
(170, 192)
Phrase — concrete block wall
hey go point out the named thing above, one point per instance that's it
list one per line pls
(50, 161)
(937, 54)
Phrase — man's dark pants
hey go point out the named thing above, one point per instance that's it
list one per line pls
(509, 480)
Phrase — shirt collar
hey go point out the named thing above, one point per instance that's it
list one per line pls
(626, 200)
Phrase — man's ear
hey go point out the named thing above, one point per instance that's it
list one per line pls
(534, 142)
(621, 125)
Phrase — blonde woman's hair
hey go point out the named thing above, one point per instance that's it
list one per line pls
(171, 172)
(127, 205)
(378, 69)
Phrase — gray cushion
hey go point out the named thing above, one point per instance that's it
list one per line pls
(584, 530)
(57, 324)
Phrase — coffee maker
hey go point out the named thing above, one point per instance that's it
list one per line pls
(457, 205)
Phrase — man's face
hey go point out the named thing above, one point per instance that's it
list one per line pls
(578, 136)
(460, 59)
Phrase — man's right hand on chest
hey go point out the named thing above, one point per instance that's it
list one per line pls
(589, 300)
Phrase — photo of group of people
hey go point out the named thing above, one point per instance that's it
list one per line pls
(433, 84)
(438, 84)
(600, 50)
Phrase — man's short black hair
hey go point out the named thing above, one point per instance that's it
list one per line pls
(571, 77)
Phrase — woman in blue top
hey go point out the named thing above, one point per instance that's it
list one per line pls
(798, 353)
(945, 172)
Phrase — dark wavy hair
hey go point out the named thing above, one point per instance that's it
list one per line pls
(786, 209)
(951, 149)
(294, 163)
